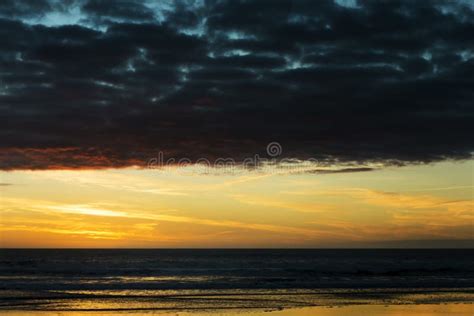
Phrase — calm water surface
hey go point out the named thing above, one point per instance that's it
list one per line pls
(138, 281)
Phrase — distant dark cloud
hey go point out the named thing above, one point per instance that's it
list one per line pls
(343, 170)
(98, 84)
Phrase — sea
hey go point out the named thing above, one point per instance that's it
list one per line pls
(207, 280)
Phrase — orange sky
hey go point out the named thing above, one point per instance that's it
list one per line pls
(188, 208)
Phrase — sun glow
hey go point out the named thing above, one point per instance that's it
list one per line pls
(86, 210)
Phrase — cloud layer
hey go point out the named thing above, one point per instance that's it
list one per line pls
(90, 84)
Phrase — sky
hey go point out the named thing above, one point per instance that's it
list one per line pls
(360, 112)
(411, 206)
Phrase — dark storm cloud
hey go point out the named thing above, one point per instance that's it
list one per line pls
(100, 84)
(126, 10)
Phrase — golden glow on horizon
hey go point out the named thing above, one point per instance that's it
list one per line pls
(150, 208)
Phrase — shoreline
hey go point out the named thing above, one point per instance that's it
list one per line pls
(199, 301)
(460, 309)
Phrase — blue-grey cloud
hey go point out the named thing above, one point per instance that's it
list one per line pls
(89, 83)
